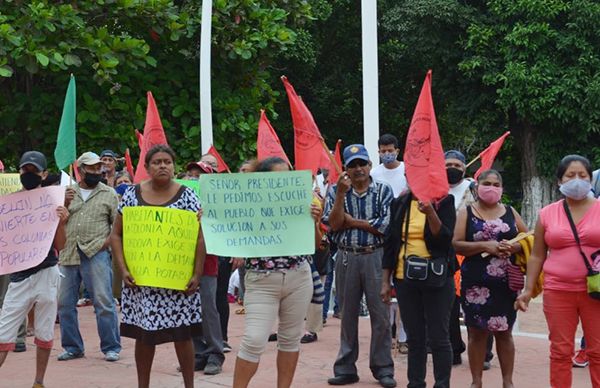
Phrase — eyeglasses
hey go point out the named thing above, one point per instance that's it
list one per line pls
(357, 163)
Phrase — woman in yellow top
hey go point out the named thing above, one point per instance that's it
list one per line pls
(419, 254)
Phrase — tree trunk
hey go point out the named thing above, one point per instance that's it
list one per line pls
(538, 191)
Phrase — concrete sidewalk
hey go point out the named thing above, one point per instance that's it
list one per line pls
(315, 366)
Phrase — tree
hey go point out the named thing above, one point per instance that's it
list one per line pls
(540, 60)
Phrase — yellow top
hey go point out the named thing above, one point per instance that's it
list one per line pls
(416, 238)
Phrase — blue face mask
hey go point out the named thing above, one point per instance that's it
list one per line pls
(388, 157)
(120, 189)
(576, 189)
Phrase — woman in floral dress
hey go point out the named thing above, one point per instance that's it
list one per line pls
(487, 301)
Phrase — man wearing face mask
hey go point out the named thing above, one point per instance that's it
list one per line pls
(36, 286)
(86, 257)
(391, 171)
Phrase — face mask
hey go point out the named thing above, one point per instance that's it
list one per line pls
(30, 180)
(92, 180)
(388, 157)
(489, 194)
(120, 189)
(576, 189)
(454, 175)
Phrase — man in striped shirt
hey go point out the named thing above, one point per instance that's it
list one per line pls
(358, 212)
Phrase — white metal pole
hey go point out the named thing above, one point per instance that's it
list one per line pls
(370, 78)
(206, 127)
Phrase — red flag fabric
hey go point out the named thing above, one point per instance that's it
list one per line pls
(140, 139)
(267, 141)
(76, 171)
(489, 154)
(333, 172)
(423, 154)
(221, 165)
(1, 166)
(308, 142)
(128, 163)
(154, 134)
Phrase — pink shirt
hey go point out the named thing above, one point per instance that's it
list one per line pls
(564, 269)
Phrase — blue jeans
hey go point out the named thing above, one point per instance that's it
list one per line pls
(96, 273)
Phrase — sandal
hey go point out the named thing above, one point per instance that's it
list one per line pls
(241, 311)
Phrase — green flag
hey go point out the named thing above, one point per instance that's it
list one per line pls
(65, 152)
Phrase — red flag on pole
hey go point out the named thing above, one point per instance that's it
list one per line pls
(1, 166)
(267, 141)
(424, 155)
(221, 165)
(334, 173)
(140, 139)
(308, 142)
(76, 171)
(128, 163)
(489, 154)
(154, 134)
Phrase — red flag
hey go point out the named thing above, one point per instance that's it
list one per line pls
(1, 166)
(267, 142)
(154, 134)
(333, 171)
(308, 142)
(221, 165)
(140, 139)
(489, 154)
(128, 163)
(423, 154)
(76, 171)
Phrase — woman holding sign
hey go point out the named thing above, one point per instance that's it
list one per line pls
(153, 315)
(277, 288)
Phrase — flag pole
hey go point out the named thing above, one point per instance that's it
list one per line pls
(206, 133)
(473, 161)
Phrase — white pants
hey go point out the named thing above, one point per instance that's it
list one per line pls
(41, 290)
(273, 295)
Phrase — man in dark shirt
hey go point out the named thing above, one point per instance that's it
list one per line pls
(34, 286)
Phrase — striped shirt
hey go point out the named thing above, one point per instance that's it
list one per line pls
(373, 205)
(90, 223)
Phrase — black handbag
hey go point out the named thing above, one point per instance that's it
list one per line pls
(593, 276)
(429, 273)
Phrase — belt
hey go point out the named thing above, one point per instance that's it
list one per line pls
(360, 250)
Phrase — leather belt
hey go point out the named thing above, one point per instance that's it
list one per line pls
(360, 250)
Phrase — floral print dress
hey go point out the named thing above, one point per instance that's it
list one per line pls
(486, 299)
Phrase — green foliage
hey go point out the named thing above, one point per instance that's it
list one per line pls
(119, 49)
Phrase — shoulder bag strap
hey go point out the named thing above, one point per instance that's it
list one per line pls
(406, 224)
(574, 230)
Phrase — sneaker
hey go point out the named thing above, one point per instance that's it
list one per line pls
(111, 356)
(66, 356)
(226, 347)
(487, 365)
(336, 315)
(581, 359)
(84, 302)
(402, 348)
(212, 369)
(20, 347)
(38, 385)
(308, 338)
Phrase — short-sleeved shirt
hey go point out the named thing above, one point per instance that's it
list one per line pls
(90, 223)
(373, 206)
(394, 177)
(564, 269)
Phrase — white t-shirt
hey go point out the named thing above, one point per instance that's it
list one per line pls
(392, 176)
(459, 192)
(85, 193)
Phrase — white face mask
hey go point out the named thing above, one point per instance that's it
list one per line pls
(576, 189)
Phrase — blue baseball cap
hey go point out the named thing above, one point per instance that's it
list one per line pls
(454, 154)
(355, 151)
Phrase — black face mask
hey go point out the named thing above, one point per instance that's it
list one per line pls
(454, 175)
(30, 180)
(92, 180)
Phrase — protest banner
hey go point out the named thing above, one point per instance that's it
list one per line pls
(10, 183)
(159, 245)
(192, 184)
(257, 214)
(28, 222)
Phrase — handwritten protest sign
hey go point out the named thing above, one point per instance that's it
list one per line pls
(192, 184)
(160, 245)
(257, 214)
(10, 183)
(28, 222)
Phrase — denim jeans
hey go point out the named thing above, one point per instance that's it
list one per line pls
(222, 286)
(96, 273)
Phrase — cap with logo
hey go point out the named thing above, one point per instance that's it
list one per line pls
(35, 158)
(355, 151)
(88, 159)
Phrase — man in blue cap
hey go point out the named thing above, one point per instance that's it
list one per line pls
(109, 166)
(358, 212)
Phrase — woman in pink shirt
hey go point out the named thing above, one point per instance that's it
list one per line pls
(566, 300)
